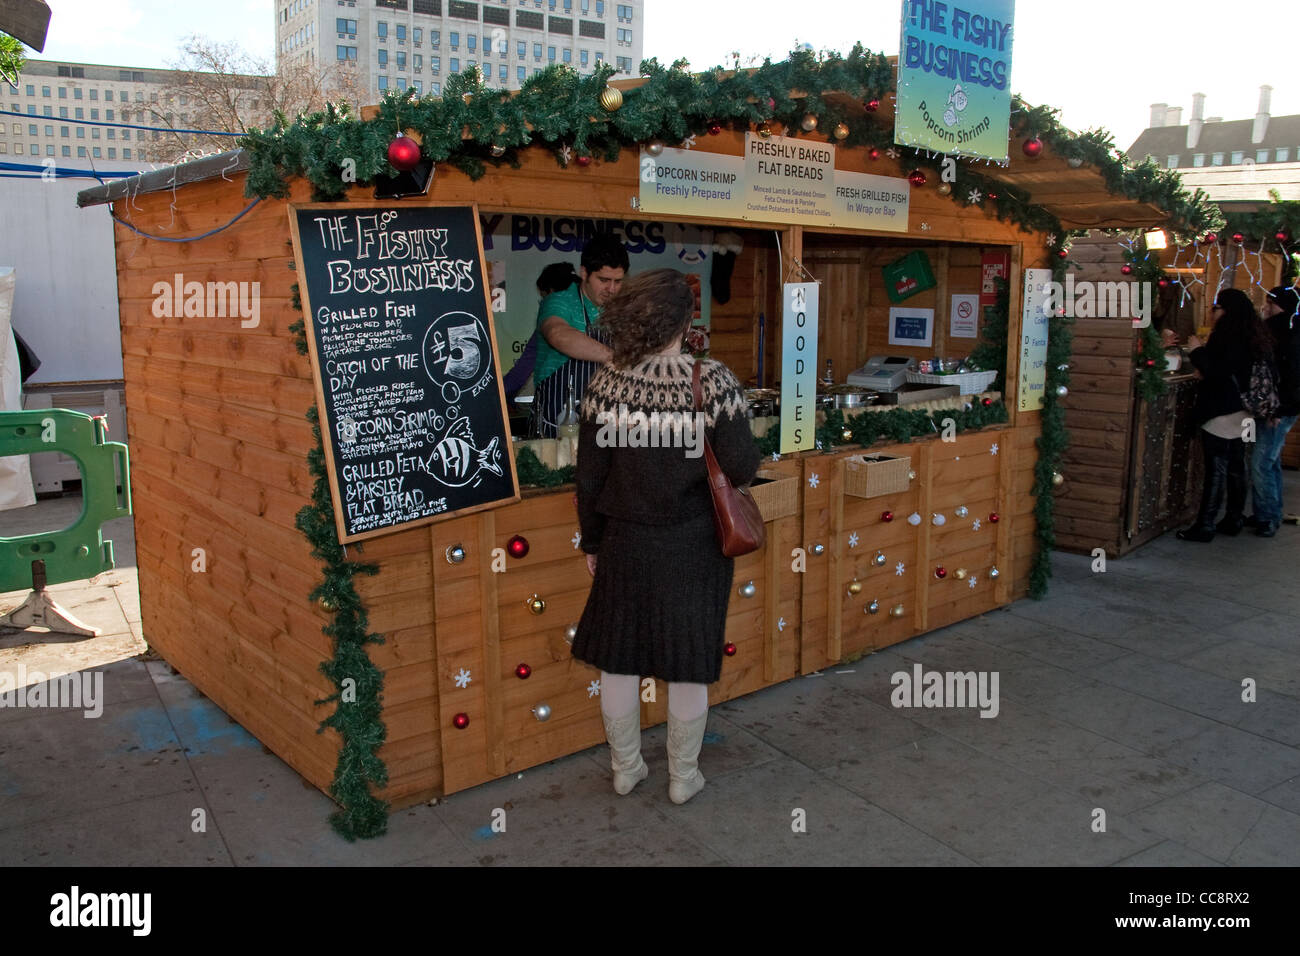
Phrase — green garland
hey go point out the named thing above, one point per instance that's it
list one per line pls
(990, 351)
(1276, 224)
(560, 109)
(358, 721)
(1151, 351)
(1051, 443)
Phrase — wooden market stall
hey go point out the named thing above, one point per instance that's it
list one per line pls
(220, 451)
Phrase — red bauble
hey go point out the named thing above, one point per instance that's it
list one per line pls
(1238, 237)
(993, 195)
(404, 153)
(987, 402)
(1126, 269)
(584, 160)
(872, 105)
(1150, 363)
(1032, 147)
(461, 721)
(941, 572)
(1210, 238)
(1062, 253)
(1163, 283)
(1282, 236)
(714, 127)
(874, 154)
(886, 516)
(993, 518)
(517, 546)
(771, 104)
(729, 649)
(916, 177)
(523, 671)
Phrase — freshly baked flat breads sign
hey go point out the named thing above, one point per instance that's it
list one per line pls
(403, 351)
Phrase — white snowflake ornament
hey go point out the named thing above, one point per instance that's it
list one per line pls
(593, 689)
(462, 679)
(899, 569)
(994, 449)
(813, 480)
(576, 539)
(566, 154)
(853, 539)
(974, 196)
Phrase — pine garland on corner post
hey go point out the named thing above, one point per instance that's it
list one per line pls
(359, 683)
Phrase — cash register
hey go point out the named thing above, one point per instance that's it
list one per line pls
(882, 373)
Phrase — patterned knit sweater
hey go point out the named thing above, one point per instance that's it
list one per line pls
(640, 457)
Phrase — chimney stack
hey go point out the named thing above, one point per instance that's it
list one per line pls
(1174, 116)
(1261, 117)
(1158, 111)
(1197, 120)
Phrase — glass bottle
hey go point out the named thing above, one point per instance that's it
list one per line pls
(566, 426)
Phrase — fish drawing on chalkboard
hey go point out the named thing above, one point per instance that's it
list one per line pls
(459, 460)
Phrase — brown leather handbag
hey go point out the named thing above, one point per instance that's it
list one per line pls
(736, 517)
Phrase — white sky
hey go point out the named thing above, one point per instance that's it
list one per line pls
(1102, 62)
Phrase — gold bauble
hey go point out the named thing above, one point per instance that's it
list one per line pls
(945, 189)
(536, 605)
(841, 131)
(468, 98)
(855, 586)
(327, 605)
(960, 574)
(1058, 479)
(764, 130)
(809, 123)
(896, 611)
(847, 434)
(611, 98)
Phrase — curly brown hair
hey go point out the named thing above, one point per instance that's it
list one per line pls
(651, 310)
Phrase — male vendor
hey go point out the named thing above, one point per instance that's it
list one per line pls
(569, 347)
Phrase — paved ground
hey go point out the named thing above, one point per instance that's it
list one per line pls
(1120, 710)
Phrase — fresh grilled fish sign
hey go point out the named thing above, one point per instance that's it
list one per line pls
(403, 351)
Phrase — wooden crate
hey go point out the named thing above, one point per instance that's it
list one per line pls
(870, 476)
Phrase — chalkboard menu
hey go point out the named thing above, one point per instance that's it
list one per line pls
(403, 350)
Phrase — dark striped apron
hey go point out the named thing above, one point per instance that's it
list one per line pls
(551, 395)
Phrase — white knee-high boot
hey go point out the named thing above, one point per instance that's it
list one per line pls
(623, 732)
(685, 738)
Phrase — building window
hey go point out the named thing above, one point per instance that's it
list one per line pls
(94, 114)
(523, 49)
(537, 51)
(126, 153)
(383, 83)
(503, 72)
(1198, 159)
(401, 83)
(624, 12)
(435, 37)
(94, 94)
(455, 64)
(418, 87)
(31, 129)
(401, 59)
(63, 112)
(345, 52)
(96, 152)
(550, 53)
(63, 92)
(81, 152)
(521, 72)
(31, 89)
(63, 131)
(383, 58)
(625, 37)
(1216, 159)
(76, 92)
(49, 150)
(382, 28)
(435, 64)
(108, 115)
(1238, 157)
(112, 152)
(487, 45)
(435, 89)
(417, 35)
(346, 28)
(582, 57)
(600, 8)
(453, 40)
(431, 7)
(417, 62)
(1283, 155)
(401, 32)
(81, 132)
(45, 92)
(49, 130)
(471, 41)
(568, 56)
(67, 151)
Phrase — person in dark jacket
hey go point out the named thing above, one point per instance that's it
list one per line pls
(1239, 339)
(1266, 457)
(658, 604)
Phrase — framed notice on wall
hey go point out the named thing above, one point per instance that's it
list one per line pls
(911, 326)
(403, 353)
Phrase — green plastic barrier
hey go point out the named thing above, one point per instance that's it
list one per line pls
(80, 551)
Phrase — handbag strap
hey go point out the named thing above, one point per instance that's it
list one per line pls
(717, 477)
